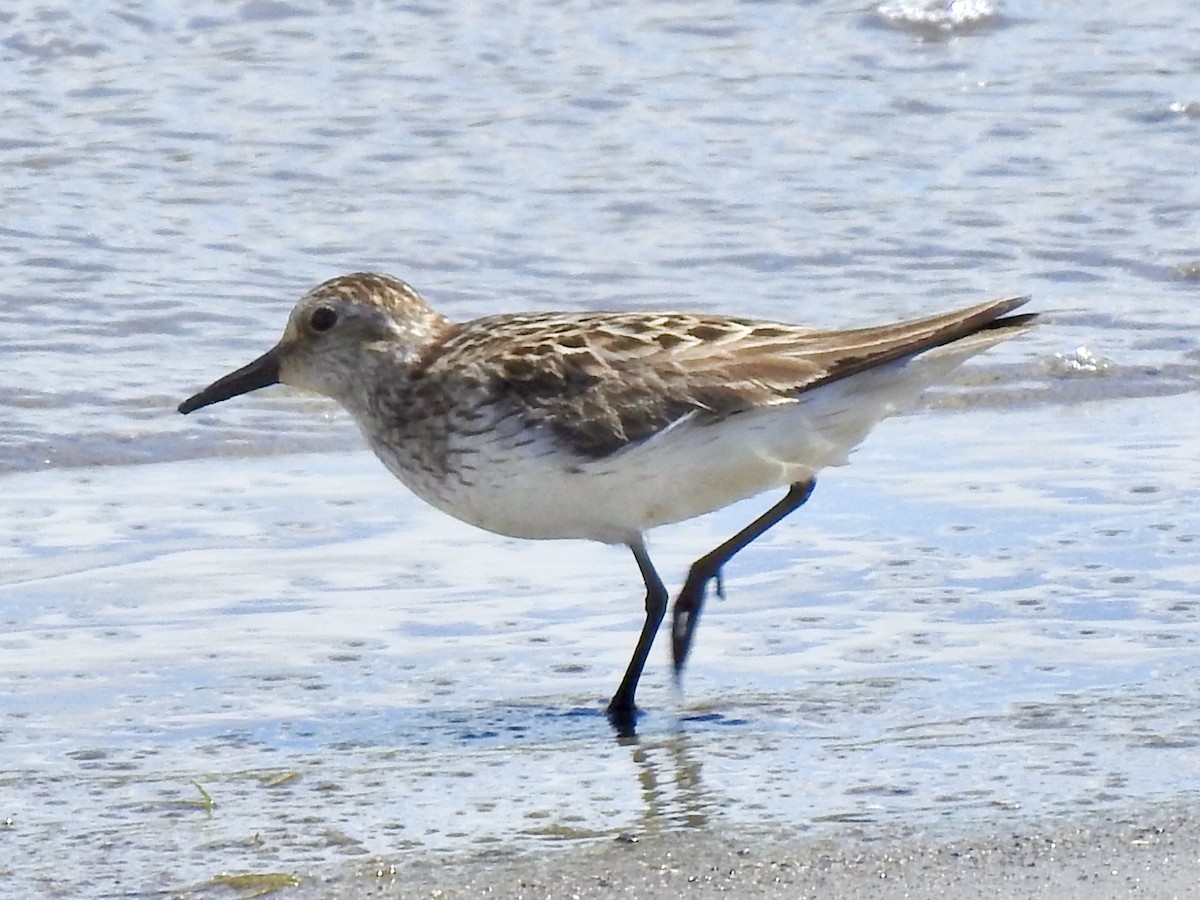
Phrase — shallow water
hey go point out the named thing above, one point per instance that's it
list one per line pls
(989, 615)
(978, 640)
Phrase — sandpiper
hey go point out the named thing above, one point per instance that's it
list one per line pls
(604, 425)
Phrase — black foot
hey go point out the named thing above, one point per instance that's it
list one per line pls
(686, 612)
(685, 615)
(623, 720)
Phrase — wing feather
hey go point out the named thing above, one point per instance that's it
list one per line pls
(602, 381)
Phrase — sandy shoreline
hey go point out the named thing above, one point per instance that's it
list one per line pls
(1153, 854)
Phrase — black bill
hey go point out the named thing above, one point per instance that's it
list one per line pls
(261, 373)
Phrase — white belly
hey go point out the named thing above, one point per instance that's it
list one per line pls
(540, 491)
(615, 499)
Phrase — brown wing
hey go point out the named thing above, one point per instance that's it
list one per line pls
(602, 381)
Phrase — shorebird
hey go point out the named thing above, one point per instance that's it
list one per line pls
(603, 425)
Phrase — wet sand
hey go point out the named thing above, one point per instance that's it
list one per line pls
(976, 680)
(1153, 854)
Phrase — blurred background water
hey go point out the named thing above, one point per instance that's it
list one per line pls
(989, 613)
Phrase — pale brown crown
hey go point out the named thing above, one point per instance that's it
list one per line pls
(396, 297)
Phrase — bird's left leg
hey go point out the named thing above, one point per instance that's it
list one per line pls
(686, 612)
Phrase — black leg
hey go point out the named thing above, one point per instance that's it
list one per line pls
(690, 601)
(621, 709)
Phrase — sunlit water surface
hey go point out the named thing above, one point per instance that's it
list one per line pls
(232, 643)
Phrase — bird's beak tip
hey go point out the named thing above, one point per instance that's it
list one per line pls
(261, 373)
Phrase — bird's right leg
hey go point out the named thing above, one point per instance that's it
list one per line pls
(622, 711)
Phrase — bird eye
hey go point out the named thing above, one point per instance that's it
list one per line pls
(323, 318)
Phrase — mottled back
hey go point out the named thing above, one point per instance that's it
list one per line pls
(602, 381)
